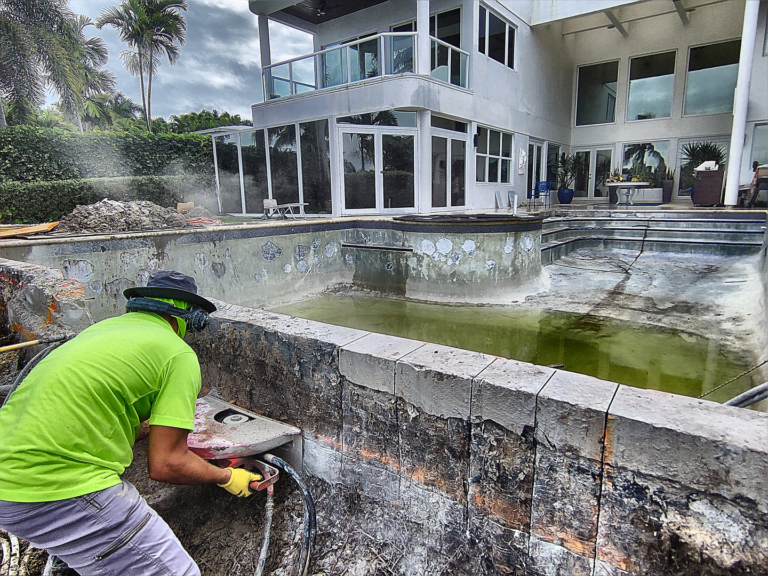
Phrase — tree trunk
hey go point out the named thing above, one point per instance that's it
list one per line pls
(143, 94)
(79, 122)
(3, 123)
(149, 90)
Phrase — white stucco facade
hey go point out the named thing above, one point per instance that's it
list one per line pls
(535, 99)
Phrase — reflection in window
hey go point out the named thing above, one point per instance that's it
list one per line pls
(439, 171)
(397, 152)
(254, 170)
(448, 124)
(494, 156)
(651, 85)
(712, 73)
(383, 118)
(283, 164)
(458, 171)
(228, 171)
(496, 38)
(316, 166)
(646, 161)
(760, 145)
(553, 153)
(596, 94)
(359, 171)
(446, 26)
(364, 60)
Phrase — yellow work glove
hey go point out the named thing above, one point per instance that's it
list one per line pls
(239, 482)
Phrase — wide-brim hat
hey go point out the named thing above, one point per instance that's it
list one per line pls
(173, 285)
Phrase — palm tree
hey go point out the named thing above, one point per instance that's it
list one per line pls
(150, 28)
(36, 40)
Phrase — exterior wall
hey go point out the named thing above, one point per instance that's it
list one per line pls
(546, 472)
(270, 265)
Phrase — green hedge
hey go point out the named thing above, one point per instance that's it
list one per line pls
(32, 154)
(28, 202)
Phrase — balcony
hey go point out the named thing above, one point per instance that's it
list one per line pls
(384, 54)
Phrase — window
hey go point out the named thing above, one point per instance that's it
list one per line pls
(316, 166)
(646, 161)
(494, 156)
(651, 86)
(553, 156)
(496, 38)
(448, 124)
(760, 145)
(712, 73)
(382, 118)
(254, 157)
(445, 26)
(283, 163)
(596, 94)
(228, 173)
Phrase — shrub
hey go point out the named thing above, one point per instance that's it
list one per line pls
(27, 202)
(33, 154)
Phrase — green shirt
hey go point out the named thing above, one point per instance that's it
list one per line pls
(69, 429)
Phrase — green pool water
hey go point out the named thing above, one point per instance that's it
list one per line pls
(634, 354)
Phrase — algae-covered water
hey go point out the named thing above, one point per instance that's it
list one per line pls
(634, 354)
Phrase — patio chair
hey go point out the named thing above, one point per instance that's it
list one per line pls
(542, 190)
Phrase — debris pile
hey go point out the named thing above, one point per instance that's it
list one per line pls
(110, 216)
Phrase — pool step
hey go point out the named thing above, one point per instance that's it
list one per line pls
(727, 235)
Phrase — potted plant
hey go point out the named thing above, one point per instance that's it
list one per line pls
(568, 167)
(667, 185)
(613, 194)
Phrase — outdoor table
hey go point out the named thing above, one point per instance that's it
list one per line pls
(628, 189)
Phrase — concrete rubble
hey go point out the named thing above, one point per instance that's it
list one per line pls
(110, 216)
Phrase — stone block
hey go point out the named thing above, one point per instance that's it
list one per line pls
(370, 431)
(371, 360)
(571, 414)
(375, 482)
(430, 508)
(566, 497)
(605, 569)
(322, 460)
(505, 392)
(501, 476)
(438, 379)
(434, 451)
(704, 445)
(503, 551)
(656, 527)
(547, 559)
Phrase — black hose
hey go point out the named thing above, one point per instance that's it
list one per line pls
(24, 371)
(752, 396)
(310, 521)
(267, 527)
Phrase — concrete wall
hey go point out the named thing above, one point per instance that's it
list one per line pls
(495, 466)
(266, 265)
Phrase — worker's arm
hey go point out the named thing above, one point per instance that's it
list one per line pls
(171, 461)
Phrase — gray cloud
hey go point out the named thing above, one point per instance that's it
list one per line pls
(219, 65)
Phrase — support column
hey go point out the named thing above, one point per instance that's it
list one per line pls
(424, 155)
(741, 101)
(422, 37)
(266, 53)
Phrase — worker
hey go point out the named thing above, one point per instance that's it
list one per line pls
(68, 432)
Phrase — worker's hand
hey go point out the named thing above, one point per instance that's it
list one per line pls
(240, 481)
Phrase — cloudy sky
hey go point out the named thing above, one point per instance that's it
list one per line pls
(219, 65)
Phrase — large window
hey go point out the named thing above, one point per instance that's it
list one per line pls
(760, 145)
(712, 73)
(316, 166)
(651, 86)
(254, 155)
(448, 170)
(228, 173)
(646, 161)
(494, 156)
(496, 38)
(283, 164)
(445, 26)
(553, 156)
(596, 94)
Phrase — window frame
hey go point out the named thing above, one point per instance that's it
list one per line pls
(687, 71)
(434, 16)
(629, 73)
(500, 156)
(576, 93)
(509, 26)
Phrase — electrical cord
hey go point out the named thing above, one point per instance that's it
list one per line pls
(267, 527)
(310, 521)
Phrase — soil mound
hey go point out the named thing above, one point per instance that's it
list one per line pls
(112, 216)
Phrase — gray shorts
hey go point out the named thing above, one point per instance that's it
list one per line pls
(112, 532)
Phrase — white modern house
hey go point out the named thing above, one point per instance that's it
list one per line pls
(435, 105)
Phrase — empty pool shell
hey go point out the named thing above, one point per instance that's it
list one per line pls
(224, 431)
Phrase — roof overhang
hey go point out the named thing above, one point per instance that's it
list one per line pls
(312, 11)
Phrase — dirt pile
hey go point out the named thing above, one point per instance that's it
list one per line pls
(112, 216)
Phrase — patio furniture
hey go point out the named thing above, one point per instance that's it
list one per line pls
(273, 209)
(708, 188)
(543, 190)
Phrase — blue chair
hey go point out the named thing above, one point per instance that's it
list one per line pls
(542, 190)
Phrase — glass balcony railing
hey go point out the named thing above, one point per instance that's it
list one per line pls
(448, 63)
(380, 55)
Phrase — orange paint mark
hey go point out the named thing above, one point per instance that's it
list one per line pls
(608, 452)
(328, 441)
(577, 545)
(614, 557)
(368, 455)
(17, 328)
(510, 515)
